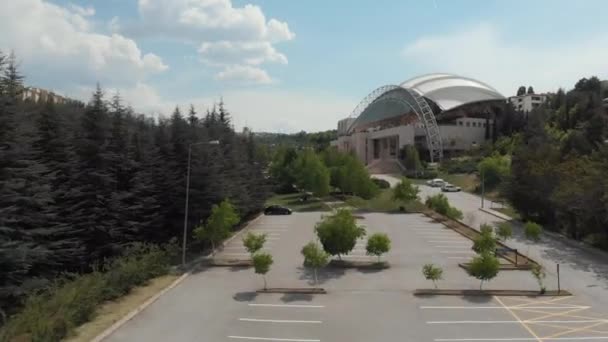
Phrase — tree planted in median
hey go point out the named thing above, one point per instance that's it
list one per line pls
(339, 232)
(254, 242)
(314, 258)
(505, 231)
(261, 264)
(223, 217)
(484, 267)
(440, 204)
(432, 273)
(539, 274)
(378, 244)
(485, 242)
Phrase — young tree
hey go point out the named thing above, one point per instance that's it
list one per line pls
(484, 267)
(338, 233)
(261, 264)
(254, 242)
(539, 274)
(223, 218)
(505, 231)
(485, 243)
(378, 244)
(533, 231)
(314, 257)
(405, 191)
(432, 273)
(440, 204)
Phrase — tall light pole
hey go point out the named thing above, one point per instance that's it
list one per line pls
(185, 235)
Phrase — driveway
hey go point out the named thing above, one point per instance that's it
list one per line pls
(583, 270)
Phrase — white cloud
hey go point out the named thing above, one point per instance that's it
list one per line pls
(225, 34)
(227, 52)
(268, 109)
(483, 53)
(59, 43)
(83, 11)
(244, 74)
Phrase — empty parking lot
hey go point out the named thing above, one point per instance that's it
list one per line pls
(220, 304)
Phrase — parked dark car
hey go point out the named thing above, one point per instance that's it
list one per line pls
(277, 210)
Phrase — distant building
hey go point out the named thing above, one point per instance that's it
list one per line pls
(527, 102)
(39, 95)
(437, 113)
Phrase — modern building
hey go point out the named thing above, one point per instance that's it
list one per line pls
(438, 113)
(527, 102)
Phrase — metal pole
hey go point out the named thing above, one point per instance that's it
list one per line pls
(558, 283)
(186, 209)
(483, 188)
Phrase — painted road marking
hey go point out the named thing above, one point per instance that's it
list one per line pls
(596, 338)
(524, 321)
(504, 307)
(272, 339)
(277, 321)
(519, 319)
(288, 305)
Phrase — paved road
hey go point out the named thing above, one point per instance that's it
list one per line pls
(583, 270)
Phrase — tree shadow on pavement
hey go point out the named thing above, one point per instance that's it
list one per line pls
(294, 297)
(478, 299)
(246, 296)
(323, 275)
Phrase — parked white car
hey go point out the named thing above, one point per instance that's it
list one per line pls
(447, 187)
(436, 183)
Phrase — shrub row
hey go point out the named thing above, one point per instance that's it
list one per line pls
(440, 204)
(51, 315)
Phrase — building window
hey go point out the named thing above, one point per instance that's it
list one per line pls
(468, 124)
(459, 123)
(535, 98)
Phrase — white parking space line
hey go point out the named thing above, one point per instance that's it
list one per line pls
(277, 321)
(504, 307)
(288, 306)
(451, 241)
(517, 322)
(272, 339)
(590, 338)
(457, 252)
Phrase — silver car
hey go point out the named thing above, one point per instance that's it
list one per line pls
(436, 183)
(447, 187)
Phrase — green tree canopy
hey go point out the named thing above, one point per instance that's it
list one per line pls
(432, 273)
(339, 232)
(223, 217)
(484, 267)
(254, 242)
(405, 191)
(261, 264)
(504, 231)
(378, 244)
(494, 170)
(533, 231)
(314, 258)
(485, 242)
(311, 174)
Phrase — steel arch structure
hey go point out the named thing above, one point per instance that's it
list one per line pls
(411, 98)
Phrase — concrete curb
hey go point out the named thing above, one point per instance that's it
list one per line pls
(109, 331)
(496, 214)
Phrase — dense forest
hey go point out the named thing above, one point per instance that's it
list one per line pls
(559, 163)
(80, 183)
(318, 140)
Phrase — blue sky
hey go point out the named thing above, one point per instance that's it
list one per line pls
(291, 65)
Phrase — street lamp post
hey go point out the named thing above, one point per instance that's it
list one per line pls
(185, 234)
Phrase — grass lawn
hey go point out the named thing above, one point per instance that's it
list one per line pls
(383, 202)
(468, 182)
(509, 211)
(110, 312)
(292, 201)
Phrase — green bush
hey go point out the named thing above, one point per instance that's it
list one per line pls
(467, 165)
(440, 204)
(381, 183)
(50, 315)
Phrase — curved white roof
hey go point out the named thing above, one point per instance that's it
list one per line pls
(450, 91)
